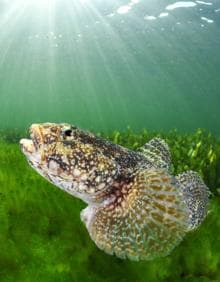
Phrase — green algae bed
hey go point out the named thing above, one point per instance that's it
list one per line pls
(43, 239)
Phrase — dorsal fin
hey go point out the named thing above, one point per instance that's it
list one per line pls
(157, 151)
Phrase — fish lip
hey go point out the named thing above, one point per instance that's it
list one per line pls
(27, 146)
(33, 144)
(36, 136)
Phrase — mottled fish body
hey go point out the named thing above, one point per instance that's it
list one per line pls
(136, 208)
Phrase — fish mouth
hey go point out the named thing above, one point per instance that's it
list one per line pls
(27, 146)
(30, 146)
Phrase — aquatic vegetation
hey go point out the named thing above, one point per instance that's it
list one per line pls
(42, 239)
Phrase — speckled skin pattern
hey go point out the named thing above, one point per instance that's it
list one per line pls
(136, 209)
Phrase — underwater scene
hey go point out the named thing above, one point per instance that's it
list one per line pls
(109, 140)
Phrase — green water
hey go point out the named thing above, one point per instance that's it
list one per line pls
(105, 65)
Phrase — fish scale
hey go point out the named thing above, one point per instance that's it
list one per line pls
(136, 208)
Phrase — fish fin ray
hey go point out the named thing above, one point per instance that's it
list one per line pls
(157, 151)
(196, 195)
(138, 228)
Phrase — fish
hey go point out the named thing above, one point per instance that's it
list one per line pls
(136, 209)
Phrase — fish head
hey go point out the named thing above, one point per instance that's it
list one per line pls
(69, 158)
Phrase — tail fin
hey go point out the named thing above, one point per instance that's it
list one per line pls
(196, 195)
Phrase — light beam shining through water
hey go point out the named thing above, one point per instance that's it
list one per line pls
(109, 64)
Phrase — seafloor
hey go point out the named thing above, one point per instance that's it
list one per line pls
(43, 239)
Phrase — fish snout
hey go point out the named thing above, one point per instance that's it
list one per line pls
(36, 132)
(37, 135)
(27, 146)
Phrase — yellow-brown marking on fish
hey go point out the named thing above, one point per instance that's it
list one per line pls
(136, 208)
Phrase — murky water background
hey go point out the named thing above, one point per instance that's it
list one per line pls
(104, 65)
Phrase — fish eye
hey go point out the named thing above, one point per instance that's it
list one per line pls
(67, 132)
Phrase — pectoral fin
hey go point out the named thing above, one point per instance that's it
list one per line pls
(148, 221)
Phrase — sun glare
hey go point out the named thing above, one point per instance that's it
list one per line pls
(42, 2)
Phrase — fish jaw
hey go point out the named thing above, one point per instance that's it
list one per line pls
(29, 150)
(27, 146)
(31, 146)
(33, 156)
